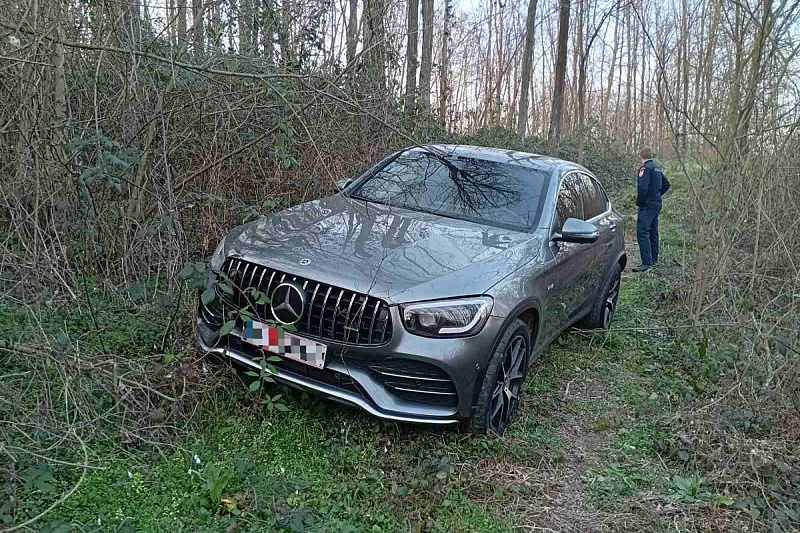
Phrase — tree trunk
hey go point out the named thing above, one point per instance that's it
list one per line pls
(628, 84)
(527, 62)
(245, 24)
(181, 22)
(269, 31)
(444, 68)
(604, 111)
(712, 38)
(560, 74)
(198, 31)
(352, 33)
(685, 45)
(374, 42)
(427, 55)
(764, 30)
(736, 77)
(283, 34)
(411, 54)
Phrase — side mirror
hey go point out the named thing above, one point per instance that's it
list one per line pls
(579, 231)
(341, 184)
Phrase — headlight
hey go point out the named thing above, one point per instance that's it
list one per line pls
(219, 256)
(447, 318)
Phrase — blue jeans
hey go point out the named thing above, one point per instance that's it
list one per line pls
(647, 232)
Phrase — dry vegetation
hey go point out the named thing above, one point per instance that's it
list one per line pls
(130, 142)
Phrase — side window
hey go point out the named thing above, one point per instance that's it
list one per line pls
(601, 194)
(594, 199)
(569, 200)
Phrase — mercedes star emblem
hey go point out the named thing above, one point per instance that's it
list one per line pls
(305, 262)
(288, 303)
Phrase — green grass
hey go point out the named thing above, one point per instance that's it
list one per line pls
(593, 431)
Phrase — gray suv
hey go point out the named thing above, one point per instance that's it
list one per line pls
(423, 290)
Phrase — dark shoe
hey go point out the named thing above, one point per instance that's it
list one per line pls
(642, 268)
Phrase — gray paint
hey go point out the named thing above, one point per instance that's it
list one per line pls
(406, 256)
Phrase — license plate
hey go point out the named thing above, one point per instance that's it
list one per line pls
(284, 344)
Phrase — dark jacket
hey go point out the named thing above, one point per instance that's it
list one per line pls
(651, 184)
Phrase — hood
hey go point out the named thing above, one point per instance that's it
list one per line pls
(391, 253)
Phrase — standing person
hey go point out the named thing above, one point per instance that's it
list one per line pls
(651, 185)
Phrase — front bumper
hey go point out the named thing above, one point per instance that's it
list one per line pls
(463, 360)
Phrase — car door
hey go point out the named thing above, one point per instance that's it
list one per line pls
(566, 277)
(596, 209)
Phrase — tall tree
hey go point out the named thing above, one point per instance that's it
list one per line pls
(181, 22)
(352, 33)
(527, 62)
(560, 75)
(444, 67)
(629, 68)
(604, 109)
(685, 65)
(427, 55)
(198, 31)
(375, 41)
(411, 53)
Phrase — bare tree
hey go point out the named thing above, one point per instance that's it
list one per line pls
(527, 62)
(411, 53)
(560, 74)
(352, 32)
(427, 55)
(444, 67)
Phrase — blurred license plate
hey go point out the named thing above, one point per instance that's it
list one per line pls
(284, 344)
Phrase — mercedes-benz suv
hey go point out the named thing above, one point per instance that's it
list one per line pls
(424, 289)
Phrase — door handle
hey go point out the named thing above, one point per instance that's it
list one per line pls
(613, 227)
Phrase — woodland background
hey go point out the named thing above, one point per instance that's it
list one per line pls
(133, 135)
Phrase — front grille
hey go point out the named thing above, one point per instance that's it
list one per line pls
(416, 381)
(332, 313)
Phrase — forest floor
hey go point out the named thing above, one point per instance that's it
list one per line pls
(587, 454)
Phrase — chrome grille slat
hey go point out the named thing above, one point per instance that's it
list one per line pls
(417, 391)
(390, 374)
(335, 311)
(372, 325)
(322, 311)
(360, 318)
(269, 285)
(344, 315)
(311, 307)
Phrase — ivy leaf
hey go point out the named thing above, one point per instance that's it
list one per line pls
(208, 296)
(39, 476)
(251, 374)
(186, 272)
(281, 407)
(226, 328)
(226, 288)
(254, 386)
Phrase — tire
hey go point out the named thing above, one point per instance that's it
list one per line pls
(498, 400)
(605, 306)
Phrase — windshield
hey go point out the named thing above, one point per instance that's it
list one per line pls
(478, 190)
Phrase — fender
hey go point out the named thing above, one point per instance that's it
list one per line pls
(526, 305)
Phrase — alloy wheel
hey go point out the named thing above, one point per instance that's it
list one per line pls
(611, 303)
(508, 385)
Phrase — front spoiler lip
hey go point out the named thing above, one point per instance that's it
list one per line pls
(322, 388)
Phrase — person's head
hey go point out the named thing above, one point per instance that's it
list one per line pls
(646, 153)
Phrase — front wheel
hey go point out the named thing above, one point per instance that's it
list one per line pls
(498, 400)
